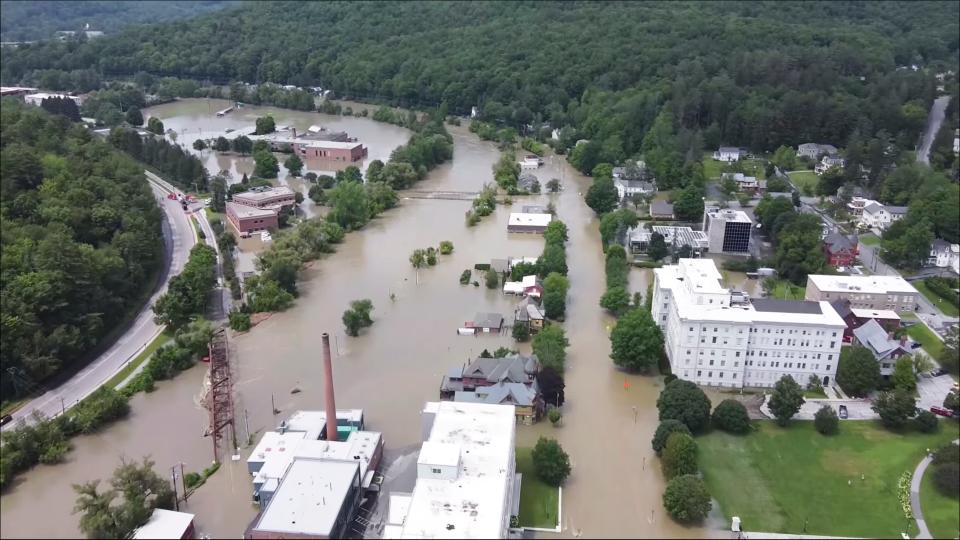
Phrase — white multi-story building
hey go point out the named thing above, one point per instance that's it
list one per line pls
(716, 337)
(728, 231)
(466, 473)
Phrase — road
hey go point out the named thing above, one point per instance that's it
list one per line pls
(179, 238)
(932, 127)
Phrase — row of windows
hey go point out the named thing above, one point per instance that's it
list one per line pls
(789, 331)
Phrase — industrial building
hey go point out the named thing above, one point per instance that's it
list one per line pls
(466, 484)
(866, 292)
(639, 237)
(717, 337)
(728, 231)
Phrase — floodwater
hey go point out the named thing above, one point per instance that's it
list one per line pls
(396, 365)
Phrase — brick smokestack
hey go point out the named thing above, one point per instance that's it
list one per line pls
(329, 403)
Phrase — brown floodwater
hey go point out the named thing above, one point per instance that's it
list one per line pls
(393, 367)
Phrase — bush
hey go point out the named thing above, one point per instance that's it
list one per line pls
(664, 430)
(465, 277)
(926, 422)
(686, 499)
(679, 456)
(826, 421)
(555, 416)
(492, 279)
(239, 321)
(950, 453)
(946, 477)
(686, 402)
(550, 462)
(446, 247)
(192, 479)
(731, 416)
(521, 332)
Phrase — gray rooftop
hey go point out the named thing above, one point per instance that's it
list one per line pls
(661, 208)
(838, 241)
(501, 394)
(872, 336)
(787, 306)
(488, 320)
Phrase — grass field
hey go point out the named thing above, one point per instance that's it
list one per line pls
(778, 479)
(141, 358)
(942, 304)
(931, 344)
(784, 290)
(806, 181)
(869, 239)
(539, 503)
(941, 513)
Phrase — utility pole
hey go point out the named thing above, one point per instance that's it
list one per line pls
(173, 480)
(63, 407)
(183, 482)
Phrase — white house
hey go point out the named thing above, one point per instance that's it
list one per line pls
(728, 154)
(717, 337)
(814, 150)
(879, 216)
(943, 253)
(627, 188)
(827, 163)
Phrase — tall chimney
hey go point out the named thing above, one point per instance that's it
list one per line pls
(329, 402)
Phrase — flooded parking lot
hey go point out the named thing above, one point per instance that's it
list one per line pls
(393, 367)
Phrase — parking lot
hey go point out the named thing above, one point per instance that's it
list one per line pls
(932, 390)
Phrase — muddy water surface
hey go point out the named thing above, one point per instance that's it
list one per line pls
(396, 365)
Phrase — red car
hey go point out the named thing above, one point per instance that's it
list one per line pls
(941, 411)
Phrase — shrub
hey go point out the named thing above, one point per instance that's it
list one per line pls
(826, 421)
(192, 479)
(946, 477)
(239, 321)
(492, 278)
(555, 416)
(686, 499)
(550, 462)
(664, 430)
(731, 416)
(950, 453)
(446, 247)
(465, 277)
(926, 422)
(679, 456)
(521, 332)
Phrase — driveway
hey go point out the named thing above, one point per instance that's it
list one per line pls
(857, 409)
(933, 390)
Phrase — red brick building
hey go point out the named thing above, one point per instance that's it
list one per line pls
(840, 250)
(317, 154)
(248, 219)
(274, 198)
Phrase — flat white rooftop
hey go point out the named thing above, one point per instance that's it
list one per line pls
(335, 145)
(309, 498)
(730, 215)
(264, 194)
(243, 211)
(164, 524)
(861, 284)
(875, 313)
(475, 503)
(530, 220)
(702, 275)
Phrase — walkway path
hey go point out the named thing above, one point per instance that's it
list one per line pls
(915, 495)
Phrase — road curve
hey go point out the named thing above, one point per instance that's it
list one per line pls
(915, 481)
(933, 126)
(179, 238)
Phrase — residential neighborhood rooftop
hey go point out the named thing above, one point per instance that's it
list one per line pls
(876, 284)
(243, 211)
(538, 220)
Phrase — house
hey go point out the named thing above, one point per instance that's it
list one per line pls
(628, 188)
(827, 163)
(166, 524)
(942, 253)
(510, 380)
(485, 323)
(728, 154)
(248, 219)
(530, 161)
(884, 347)
(879, 216)
(661, 210)
(528, 182)
(528, 313)
(528, 286)
(528, 223)
(814, 150)
(841, 250)
(857, 317)
(857, 204)
(747, 184)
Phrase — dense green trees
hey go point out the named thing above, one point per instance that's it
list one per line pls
(858, 372)
(786, 400)
(265, 125)
(684, 401)
(894, 408)
(80, 241)
(664, 430)
(555, 287)
(550, 462)
(686, 498)
(188, 291)
(550, 346)
(358, 316)
(636, 341)
(63, 106)
(731, 416)
(679, 456)
(176, 165)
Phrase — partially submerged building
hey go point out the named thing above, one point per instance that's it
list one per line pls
(528, 223)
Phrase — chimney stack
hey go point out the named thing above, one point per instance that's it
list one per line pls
(329, 403)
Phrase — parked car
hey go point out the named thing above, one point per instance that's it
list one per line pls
(941, 411)
(843, 412)
(938, 372)
(5, 419)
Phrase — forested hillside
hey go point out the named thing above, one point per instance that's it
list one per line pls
(40, 19)
(80, 239)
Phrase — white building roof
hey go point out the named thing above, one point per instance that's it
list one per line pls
(875, 313)
(730, 215)
(530, 220)
(243, 211)
(861, 284)
(260, 194)
(529, 281)
(697, 290)
(309, 498)
(273, 443)
(439, 453)
(360, 447)
(164, 524)
(513, 287)
(475, 503)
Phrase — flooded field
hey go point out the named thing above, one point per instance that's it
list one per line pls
(393, 367)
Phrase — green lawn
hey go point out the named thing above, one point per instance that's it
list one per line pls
(711, 167)
(931, 344)
(908, 316)
(784, 290)
(942, 304)
(777, 479)
(941, 513)
(869, 239)
(815, 394)
(141, 358)
(806, 181)
(539, 503)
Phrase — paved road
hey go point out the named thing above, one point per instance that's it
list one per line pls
(179, 238)
(933, 126)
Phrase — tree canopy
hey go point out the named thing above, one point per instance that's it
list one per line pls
(684, 401)
(636, 341)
